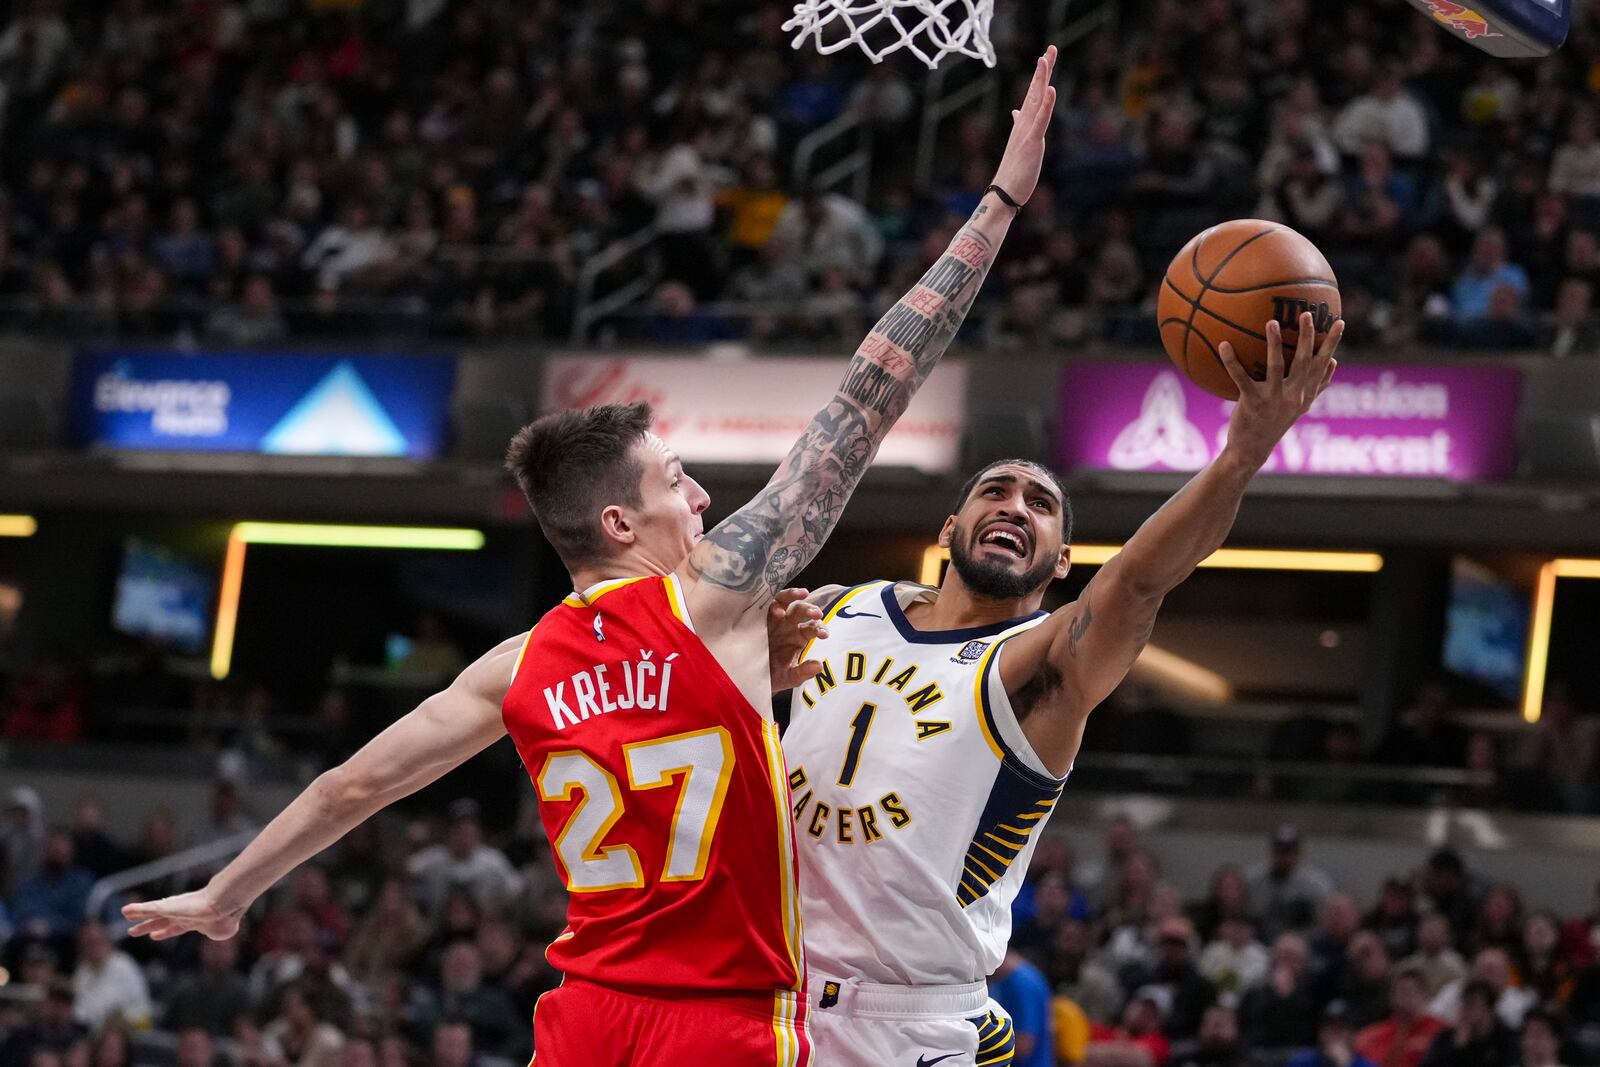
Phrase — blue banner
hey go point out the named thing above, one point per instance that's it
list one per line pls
(288, 404)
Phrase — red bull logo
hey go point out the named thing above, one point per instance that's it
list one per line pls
(1465, 21)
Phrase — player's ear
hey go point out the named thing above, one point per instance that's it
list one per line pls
(945, 532)
(615, 526)
(1064, 562)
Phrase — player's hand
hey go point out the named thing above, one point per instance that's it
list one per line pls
(791, 625)
(1266, 409)
(1018, 174)
(171, 916)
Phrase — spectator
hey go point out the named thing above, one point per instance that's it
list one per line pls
(253, 321)
(1541, 963)
(1365, 988)
(1334, 1048)
(754, 206)
(453, 1046)
(1281, 1012)
(1573, 331)
(1561, 749)
(1019, 987)
(1402, 1039)
(1227, 898)
(1478, 1038)
(349, 250)
(195, 1048)
(824, 229)
(684, 185)
(1379, 202)
(22, 846)
(464, 862)
(212, 998)
(52, 1028)
(1053, 901)
(1218, 1044)
(1541, 1040)
(1388, 114)
(1575, 169)
(1450, 890)
(50, 903)
(1337, 925)
(1499, 920)
(1287, 892)
(463, 996)
(299, 1037)
(1394, 917)
(1487, 271)
(1491, 971)
(1436, 958)
(1139, 1041)
(108, 987)
(388, 936)
(95, 849)
(1235, 961)
(1174, 970)
(1076, 974)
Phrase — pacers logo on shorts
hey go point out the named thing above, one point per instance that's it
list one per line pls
(830, 995)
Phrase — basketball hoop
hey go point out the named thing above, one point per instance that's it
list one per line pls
(929, 29)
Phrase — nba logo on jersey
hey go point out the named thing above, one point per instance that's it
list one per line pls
(971, 652)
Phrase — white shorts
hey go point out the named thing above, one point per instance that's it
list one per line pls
(858, 1024)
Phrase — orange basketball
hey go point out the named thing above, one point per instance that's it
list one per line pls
(1227, 284)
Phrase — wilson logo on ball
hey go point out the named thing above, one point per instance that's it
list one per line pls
(1288, 309)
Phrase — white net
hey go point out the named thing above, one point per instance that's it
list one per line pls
(929, 29)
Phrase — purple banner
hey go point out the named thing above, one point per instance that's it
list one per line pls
(1458, 423)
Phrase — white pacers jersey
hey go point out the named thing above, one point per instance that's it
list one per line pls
(916, 799)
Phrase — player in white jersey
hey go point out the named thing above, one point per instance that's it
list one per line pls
(926, 757)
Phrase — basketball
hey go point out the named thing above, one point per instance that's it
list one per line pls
(1226, 284)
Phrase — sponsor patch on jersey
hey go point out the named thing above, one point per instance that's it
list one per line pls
(971, 652)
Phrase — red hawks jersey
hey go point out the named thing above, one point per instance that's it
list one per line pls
(665, 797)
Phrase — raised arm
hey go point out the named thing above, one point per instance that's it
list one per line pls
(1063, 668)
(443, 732)
(755, 552)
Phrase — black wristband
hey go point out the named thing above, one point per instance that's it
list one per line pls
(1005, 198)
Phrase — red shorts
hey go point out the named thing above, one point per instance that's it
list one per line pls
(583, 1024)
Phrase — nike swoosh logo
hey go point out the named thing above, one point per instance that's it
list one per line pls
(846, 613)
(923, 1061)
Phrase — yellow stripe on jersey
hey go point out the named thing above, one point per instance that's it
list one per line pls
(587, 599)
(778, 781)
(675, 599)
(526, 641)
(980, 700)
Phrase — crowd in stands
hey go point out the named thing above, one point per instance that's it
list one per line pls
(244, 172)
(421, 941)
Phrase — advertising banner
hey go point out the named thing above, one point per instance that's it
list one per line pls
(288, 403)
(751, 410)
(1458, 423)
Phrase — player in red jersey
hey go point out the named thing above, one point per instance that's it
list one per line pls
(634, 704)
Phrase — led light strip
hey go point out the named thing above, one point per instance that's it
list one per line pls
(1544, 606)
(244, 534)
(1245, 559)
(18, 526)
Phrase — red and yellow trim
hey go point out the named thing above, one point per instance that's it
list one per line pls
(676, 601)
(587, 598)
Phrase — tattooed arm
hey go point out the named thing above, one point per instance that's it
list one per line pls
(758, 550)
(1057, 672)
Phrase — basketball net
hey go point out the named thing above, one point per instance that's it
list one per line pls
(929, 29)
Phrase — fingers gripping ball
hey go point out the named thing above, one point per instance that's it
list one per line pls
(1227, 283)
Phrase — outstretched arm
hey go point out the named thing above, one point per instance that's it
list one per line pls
(442, 733)
(755, 552)
(1072, 662)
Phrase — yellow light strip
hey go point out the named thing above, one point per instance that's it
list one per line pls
(315, 535)
(1544, 606)
(18, 526)
(296, 533)
(1246, 559)
(1184, 675)
(228, 607)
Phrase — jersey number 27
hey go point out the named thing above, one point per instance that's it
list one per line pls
(703, 758)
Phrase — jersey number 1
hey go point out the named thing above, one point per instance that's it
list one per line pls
(859, 726)
(704, 758)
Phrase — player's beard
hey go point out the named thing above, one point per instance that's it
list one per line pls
(992, 579)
